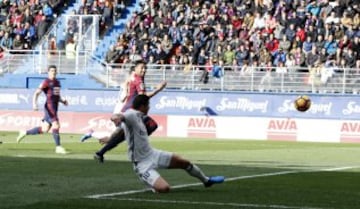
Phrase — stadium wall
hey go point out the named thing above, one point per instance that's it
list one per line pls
(201, 114)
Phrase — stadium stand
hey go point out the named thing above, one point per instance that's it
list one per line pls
(215, 40)
(252, 24)
(295, 36)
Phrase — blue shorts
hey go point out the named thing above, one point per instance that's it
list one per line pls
(50, 116)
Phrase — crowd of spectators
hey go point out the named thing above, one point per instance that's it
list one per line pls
(241, 33)
(24, 22)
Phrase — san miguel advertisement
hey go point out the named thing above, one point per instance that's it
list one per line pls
(255, 105)
(198, 103)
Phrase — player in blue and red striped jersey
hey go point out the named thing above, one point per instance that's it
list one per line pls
(51, 88)
(133, 86)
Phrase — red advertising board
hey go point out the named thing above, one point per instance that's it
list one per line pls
(350, 131)
(71, 122)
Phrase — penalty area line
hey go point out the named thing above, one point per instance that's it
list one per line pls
(204, 203)
(98, 196)
(107, 196)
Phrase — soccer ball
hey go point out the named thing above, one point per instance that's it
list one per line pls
(302, 103)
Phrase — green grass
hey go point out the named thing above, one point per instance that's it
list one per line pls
(32, 176)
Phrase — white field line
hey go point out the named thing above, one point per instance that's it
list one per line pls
(213, 203)
(98, 196)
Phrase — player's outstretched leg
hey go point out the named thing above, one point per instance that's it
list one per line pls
(33, 131)
(113, 142)
(214, 180)
(195, 171)
(21, 136)
(87, 136)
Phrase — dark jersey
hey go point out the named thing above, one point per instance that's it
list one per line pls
(51, 89)
(135, 87)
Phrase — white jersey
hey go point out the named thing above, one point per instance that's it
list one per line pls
(136, 136)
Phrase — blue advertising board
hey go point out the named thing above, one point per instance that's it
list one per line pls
(199, 103)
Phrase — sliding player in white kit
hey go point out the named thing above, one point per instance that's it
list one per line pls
(146, 159)
(134, 85)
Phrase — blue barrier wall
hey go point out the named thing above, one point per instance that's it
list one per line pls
(83, 81)
(199, 103)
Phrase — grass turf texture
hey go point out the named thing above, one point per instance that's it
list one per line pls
(32, 176)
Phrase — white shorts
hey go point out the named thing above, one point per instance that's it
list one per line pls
(146, 169)
(118, 107)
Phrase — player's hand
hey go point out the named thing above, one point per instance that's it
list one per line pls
(35, 107)
(162, 85)
(103, 140)
(65, 102)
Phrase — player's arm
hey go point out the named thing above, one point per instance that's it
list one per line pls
(35, 98)
(119, 131)
(64, 101)
(159, 88)
(125, 89)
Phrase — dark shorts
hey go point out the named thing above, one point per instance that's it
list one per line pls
(150, 124)
(50, 116)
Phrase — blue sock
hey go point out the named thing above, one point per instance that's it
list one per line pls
(56, 135)
(34, 131)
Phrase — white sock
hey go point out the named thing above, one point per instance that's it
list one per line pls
(195, 171)
(100, 134)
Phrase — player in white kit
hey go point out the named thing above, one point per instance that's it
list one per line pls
(146, 159)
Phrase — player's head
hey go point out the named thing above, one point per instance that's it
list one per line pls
(116, 119)
(141, 103)
(52, 71)
(140, 68)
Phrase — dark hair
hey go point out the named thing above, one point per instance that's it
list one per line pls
(52, 66)
(138, 62)
(132, 69)
(140, 100)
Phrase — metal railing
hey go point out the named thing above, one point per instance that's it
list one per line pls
(37, 61)
(334, 80)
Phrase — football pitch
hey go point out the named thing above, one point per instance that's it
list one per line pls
(259, 175)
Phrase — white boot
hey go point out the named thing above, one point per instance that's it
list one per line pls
(60, 150)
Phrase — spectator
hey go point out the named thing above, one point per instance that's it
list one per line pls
(307, 45)
(241, 55)
(42, 26)
(48, 11)
(290, 33)
(6, 41)
(70, 49)
(17, 43)
(229, 55)
(279, 57)
(112, 55)
(312, 59)
(29, 33)
(349, 57)
(330, 45)
(299, 57)
(107, 15)
(285, 44)
(319, 43)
